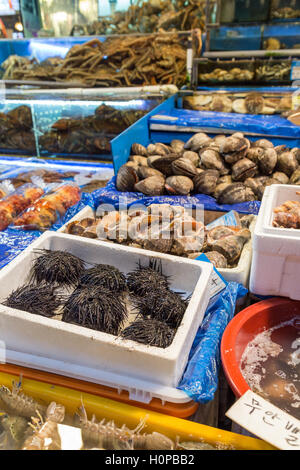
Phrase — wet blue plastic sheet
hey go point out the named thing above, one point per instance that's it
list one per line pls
(14, 241)
(110, 195)
(200, 379)
(250, 124)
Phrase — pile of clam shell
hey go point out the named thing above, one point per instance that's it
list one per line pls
(250, 103)
(168, 229)
(229, 168)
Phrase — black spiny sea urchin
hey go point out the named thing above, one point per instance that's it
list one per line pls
(40, 300)
(96, 308)
(149, 331)
(146, 279)
(56, 267)
(168, 308)
(104, 275)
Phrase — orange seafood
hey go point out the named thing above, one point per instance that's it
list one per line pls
(44, 212)
(13, 205)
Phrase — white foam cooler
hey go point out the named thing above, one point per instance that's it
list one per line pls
(275, 268)
(67, 349)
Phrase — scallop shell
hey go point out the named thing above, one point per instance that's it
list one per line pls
(206, 181)
(239, 106)
(221, 103)
(151, 186)
(179, 185)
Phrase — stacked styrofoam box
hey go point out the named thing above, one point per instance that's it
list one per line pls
(275, 268)
(72, 350)
(240, 273)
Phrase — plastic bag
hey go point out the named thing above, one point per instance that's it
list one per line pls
(49, 209)
(200, 379)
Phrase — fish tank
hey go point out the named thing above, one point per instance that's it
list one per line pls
(285, 9)
(81, 127)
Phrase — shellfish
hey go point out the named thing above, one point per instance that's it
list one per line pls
(179, 185)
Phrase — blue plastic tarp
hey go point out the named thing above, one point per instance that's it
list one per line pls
(200, 379)
(110, 195)
(259, 125)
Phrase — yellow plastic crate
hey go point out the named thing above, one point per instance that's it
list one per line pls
(123, 413)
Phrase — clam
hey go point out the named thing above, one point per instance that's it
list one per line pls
(235, 193)
(192, 156)
(158, 149)
(217, 259)
(230, 247)
(296, 152)
(206, 181)
(179, 185)
(177, 146)
(183, 166)
(280, 177)
(287, 162)
(295, 178)
(234, 148)
(280, 149)
(162, 245)
(254, 103)
(145, 171)
(138, 159)
(267, 161)
(138, 149)
(263, 143)
(219, 188)
(211, 159)
(257, 185)
(243, 169)
(152, 159)
(164, 164)
(197, 142)
(239, 106)
(151, 186)
(221, 104)
(133, 165)
(255, 153)
(126, 178)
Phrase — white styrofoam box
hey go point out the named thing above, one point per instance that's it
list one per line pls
(76, 351)
(275, 268)
(239, 273)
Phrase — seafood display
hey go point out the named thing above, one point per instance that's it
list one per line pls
(242, 103)
(46, 210)
(122, 61)
(259, 71)
(151, 16)
(277, 71)
(167, 229)
(230, 169)
(270, 366)
(90, 134)
(287, 215)
(25, 424)
(12, 205)
(102, 298)
(284, 12)
(16, 130)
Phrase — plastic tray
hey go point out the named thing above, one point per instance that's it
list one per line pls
(122, 413)
(144, 371)
(239, 274)
(275, 268)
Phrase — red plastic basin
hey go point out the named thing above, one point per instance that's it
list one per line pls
(245, 326)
